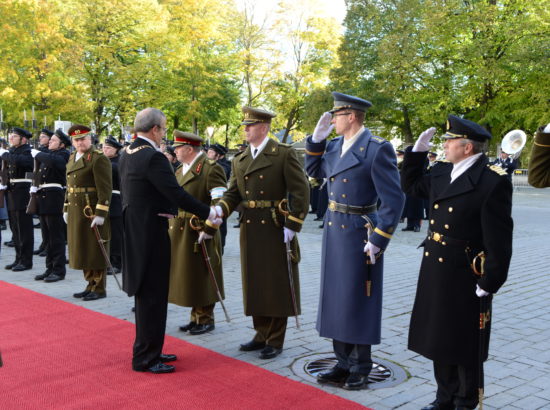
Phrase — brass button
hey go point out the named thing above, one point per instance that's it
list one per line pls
(263, 222)
(330, 223)
(450, 209)
(343, 226)
(246, 192)
(432, 222)
(345, 180)
(261, 192)
(246, 177)
(436, 206)
(332, 193)
(343, 195)
(248, 221)
(440, 260)
(181, 229)
(261, 177)
(426, 253)
(443, 243)
(332, 179)
(446, 226)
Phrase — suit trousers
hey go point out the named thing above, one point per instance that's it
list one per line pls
(23, 236)
(457, 385)
(54, 238)
(151, 301)
(116, 242)
(270, 330)
(352, 357)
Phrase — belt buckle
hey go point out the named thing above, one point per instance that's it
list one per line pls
(436, 236)
(71, 190)
(252, 204)
(332, 206)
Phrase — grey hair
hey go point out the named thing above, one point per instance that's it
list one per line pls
(146, 119)
(477, 146)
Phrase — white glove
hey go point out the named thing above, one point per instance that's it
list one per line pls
(423, 143)
(219, 211)
(216, 214)
(288, 235)
(66, 217)
(480, 292)
(323, 128)
(98, 220)
(3, 151)
(204, 236)
(371, 250)
(3, 187)
(33, 190)
(34, 152)
(547, 128)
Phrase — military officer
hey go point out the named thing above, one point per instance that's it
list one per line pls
(539, 165)
(19, 162)
(361, 170)
(111, 149)
(263, 175)
(50, 197)
(507, 163)
(89, 189)
(466, 257)
(190, 281)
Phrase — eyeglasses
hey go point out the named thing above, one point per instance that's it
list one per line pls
(344, 113)
(162, 128)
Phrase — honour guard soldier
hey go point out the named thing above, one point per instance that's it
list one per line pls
(466, 258)
(111, 149)
(50, 197)
(43, 141)
(19, 160)
(539, 165)
(266, 173)
(190, 281)
(361, 170)
(89, 186)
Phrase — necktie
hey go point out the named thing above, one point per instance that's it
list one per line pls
(255, 152)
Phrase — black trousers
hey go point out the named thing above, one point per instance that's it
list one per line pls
(457, 385)
(151, 301)
(116, 242)
(352, 357)
(23, 236)
(53, 228)
(223, 232)
(44, 244)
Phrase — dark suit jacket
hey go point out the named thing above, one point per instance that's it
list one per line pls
(149, 187)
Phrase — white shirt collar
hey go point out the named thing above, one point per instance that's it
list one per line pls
(460, 167)
(259, 148)
(150, 141)
(348, 143)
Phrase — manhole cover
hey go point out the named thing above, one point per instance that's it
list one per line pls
(383, 374)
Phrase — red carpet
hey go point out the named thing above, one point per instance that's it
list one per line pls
(61, 356)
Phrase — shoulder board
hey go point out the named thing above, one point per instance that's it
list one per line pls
(237, 154)
(497, 169)
(98, 151)
(212, 162)
(379, 140)
(284, 145)
(442, 161)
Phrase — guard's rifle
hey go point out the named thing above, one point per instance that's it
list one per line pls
(34, 176)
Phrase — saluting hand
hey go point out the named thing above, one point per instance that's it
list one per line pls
(34, 152)
(423, 143)
(323, 128)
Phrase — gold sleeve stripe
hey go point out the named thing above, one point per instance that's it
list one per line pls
(292, 218)
(211, 225)
(314, 153)
(542, 145)
(102, 207)
(382, 233)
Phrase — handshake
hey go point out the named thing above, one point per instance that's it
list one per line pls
(216, 218)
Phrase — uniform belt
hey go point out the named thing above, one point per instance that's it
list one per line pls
(183, 214)
(76, 190)
(16, 180)
(50, 185)
(351, 209)
(260, 204)
(446, 240)
(116, 192)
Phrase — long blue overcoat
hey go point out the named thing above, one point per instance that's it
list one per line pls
(366, 174)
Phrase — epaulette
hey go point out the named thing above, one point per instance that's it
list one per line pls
(377, 139)
(285, 145)
(98, 151)
(443, 161)
(498, 169)
(237, 154)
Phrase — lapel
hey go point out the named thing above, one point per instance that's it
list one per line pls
(352, 157)
(73, 166)
(464, 183)
(194, 171)
(263, 159)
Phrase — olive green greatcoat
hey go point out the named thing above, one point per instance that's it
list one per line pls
(275, 174)
(92, 170)
(190, 282)
(539, 165)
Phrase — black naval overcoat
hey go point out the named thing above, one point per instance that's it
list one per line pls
(20, 162)
(53, 170)
(471, 215)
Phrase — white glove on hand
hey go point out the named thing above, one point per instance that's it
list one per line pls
(204, 236)
(3, 187)
(547, 128)
(33, 190)
(323, 128)
(66, 217)
(3, 151)
(371, 250)
(98, 220)
(480, 292)
(219, 211)
(423, 143)
(34, 152)
(215, 215)
(288, 235)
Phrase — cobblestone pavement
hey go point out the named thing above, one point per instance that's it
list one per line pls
(517, 372)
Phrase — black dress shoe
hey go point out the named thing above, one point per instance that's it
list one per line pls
(11, 244)
(202, 328)
(53, 277)
(417, 229)
(81, 294)
(42, 276)
(133, 309)
(269, 352)
(36, 252)
(157, 368)
(188, 327)
(356, 381)
(438, 406)
(166, 358)
(94, 296)
(408, 228)
(43, 253)
(11, 265)
(252, 345)
(20, 267)
(335, 376)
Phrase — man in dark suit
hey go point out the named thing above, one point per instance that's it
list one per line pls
(151, 194)
(50, 198)
(466, 257)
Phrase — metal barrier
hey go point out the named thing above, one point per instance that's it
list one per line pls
(519, 179)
